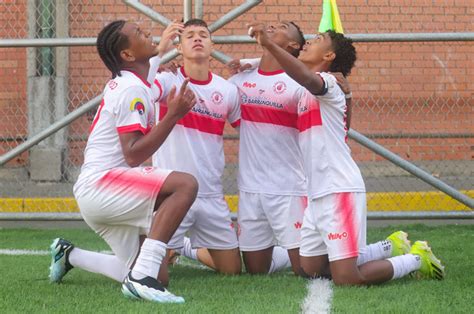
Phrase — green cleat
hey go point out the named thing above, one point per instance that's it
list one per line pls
(431, 266)
(400, 243)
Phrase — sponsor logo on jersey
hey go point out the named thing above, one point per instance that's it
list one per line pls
(217, 98)
(279, 87)
(298, 225)
(249, 85)
(337, 236)
(137, 104)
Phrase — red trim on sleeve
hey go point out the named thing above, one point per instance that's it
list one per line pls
(132, 128)
(159, 86)
(269, 115)
(198, 122)
(235, 124)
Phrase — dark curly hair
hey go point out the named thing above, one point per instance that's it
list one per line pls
(300, 40)
(110, 42)
(345, 53)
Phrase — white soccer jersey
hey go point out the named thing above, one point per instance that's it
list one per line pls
(323, 141)
(127, 106)
(196, 144)
(270, 160)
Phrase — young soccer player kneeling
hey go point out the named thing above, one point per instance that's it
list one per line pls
(334, 226)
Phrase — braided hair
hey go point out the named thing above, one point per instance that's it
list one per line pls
(345, 53)
(300, 40)
(110, 42)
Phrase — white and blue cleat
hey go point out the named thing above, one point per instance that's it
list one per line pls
(60, 265)
(148, 289)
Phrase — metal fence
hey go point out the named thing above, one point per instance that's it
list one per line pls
(412, 94)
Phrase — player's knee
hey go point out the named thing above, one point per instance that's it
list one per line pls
(348, 279)
(189, 185)
(234, 269)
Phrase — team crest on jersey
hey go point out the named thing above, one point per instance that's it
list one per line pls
(279, 87)
(137, 104)
(147, 170)
(112, 84)
(217, 98)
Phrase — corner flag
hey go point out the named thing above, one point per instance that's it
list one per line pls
(330, 18)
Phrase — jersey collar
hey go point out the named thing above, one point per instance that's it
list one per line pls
(197, 82)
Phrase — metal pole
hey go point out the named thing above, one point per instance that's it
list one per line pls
(220, 56)
(411, 168)
(198, 9)
(140, 7)
(243, 39)
(233, 14)
(187, 8)
(50, 130)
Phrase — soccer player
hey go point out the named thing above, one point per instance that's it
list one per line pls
(272, 184)
(334, 226)
(119, 199)
(196, 146)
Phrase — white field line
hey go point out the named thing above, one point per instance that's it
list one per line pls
(319, 297)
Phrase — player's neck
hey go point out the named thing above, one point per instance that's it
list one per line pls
(197, 70)
(268, 63)
(317, 66)
(139, 68)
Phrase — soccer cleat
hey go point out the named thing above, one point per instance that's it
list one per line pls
(400, 243)
(148, 289)
(431, 266)
(60, 266)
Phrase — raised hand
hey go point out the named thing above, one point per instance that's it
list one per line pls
(259, 31)
(235, 67)
(172, 31)
(342, 82)
(180, 104)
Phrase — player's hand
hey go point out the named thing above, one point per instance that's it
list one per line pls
(259, 32)
(342, 82)
(171, 66)
(180, 104)
(172, 31)
(235, 67)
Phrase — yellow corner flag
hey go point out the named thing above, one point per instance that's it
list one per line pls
(330, 18)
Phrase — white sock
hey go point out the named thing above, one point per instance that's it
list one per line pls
(99, 263)
(280, 259)
(404, 264)
(187, 250)
(149, 260)
(374, 252)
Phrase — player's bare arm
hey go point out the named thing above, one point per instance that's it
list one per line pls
(296, 69)
(137, 147)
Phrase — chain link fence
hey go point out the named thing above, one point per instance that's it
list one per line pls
(413, 98)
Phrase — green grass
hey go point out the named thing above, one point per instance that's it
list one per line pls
(25, 287)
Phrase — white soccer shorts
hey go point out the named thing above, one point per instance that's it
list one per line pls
(209, 225)
(335, 225)
(118, 205)
(266, 220)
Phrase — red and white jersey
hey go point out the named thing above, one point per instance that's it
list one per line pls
(127, 106)
(323, 141)
(270, 160)
(196, 144)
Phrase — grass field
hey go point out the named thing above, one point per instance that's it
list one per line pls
(25, 287)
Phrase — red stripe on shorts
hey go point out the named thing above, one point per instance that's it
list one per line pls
(139, 181)
(346, 211)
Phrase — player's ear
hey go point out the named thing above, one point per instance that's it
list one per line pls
(329, 56)
(127, 55)
(294, 45)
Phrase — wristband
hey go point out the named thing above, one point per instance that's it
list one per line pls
(348, 96)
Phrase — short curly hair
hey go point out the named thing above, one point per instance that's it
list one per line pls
(345, 53)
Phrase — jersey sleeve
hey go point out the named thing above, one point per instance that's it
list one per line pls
(332, 93)
(164, 81)
(234, 107)
(133, 108)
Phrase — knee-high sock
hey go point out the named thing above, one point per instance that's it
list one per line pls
(187, 250)
(280, 259)
(374, 252)
(149, 260)
(404, 264)
(99, 263)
